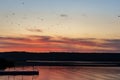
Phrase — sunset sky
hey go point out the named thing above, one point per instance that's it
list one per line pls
(60, 25)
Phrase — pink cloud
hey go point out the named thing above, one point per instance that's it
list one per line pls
(34, 30)
(49, 43)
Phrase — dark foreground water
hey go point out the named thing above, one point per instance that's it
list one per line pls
(68, 73)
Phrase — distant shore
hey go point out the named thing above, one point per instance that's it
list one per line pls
(62, 59)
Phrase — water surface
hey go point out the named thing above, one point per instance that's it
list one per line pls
(68, 73)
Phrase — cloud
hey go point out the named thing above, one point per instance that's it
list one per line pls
(78, 41)
(10, 44)
(34, 30)
(14, 38)
(65, 40)
(113, 43)
(63, 15)
(49, 43)
(42, 38)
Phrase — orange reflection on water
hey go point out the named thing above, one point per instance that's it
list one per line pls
(69, 73)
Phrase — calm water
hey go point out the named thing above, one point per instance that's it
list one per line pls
(68, 73)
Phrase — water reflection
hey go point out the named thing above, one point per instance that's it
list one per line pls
(68, 73)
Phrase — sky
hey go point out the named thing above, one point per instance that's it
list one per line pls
(60, 25)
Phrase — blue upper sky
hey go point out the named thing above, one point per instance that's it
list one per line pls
(88, 6)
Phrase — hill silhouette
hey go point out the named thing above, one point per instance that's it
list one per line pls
(60, 58)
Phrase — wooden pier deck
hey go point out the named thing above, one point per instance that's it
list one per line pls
(28, 73)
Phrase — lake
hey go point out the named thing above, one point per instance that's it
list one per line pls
(67, 73)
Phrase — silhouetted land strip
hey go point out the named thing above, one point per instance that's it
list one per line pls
(60, 56)
(62, 59)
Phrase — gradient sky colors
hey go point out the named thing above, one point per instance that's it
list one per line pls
(60, 25)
